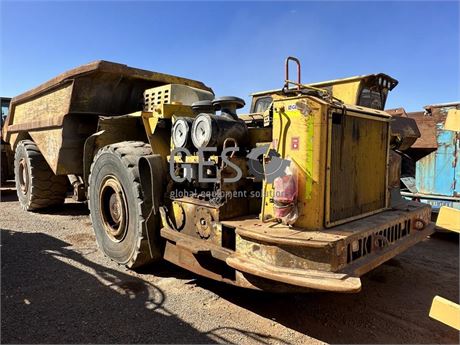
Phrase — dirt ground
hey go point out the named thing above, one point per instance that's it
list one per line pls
(56, 287)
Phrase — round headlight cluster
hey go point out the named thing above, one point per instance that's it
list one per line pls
(202, 131)
(181, 132)
(209, 129)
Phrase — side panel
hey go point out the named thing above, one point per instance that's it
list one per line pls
(47, 110)
(49, 143)
(357, 166)
(299, 133)
(347, 92)
(62, 147)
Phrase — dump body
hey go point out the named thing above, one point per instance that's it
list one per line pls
(60, 114)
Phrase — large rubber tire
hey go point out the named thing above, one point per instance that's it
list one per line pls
(118, 211)
(37, 186)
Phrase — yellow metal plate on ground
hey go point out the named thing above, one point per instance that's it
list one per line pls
(449, 219)
(446, 312)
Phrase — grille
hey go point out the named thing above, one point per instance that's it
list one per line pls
(174, 94)
(156, 96)
(378, 239)
(358, 169)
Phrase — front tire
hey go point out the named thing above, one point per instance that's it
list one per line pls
(37, 186)
(117, 207)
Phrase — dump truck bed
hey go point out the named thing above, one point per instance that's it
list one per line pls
(99, 87)
(61, 113)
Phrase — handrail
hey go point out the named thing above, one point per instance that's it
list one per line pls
(286, 80)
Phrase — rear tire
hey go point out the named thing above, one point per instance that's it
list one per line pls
(118, 211)
(37, 186)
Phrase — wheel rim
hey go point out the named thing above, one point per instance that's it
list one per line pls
(23, 175)
(113, 208)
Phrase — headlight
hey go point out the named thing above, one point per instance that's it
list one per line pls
(181, 132)
(202, 130)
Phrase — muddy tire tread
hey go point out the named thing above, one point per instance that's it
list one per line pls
(130, 152)
(47, 189)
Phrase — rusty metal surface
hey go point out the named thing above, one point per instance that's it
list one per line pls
(357, 187)
(251, 226)
(123, 71)
(428, 122)
(302, 256)
(294, 257)
(427, 127)
(313, 243)
(83, 90)
(437, 173)
(397, 112)
(62, 113)
(394, 170)
(312, 279)
(374, 260)
(436, 152)
(404, 132)
(202, 234)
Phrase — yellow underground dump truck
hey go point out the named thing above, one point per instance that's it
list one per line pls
(303, 195)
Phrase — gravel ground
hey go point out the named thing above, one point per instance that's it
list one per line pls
(56, 287)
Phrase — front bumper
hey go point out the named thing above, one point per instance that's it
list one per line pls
(310, 279)
(329, 260)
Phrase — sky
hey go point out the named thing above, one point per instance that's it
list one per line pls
(239, 47)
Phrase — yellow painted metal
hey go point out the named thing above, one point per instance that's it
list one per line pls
(177, 215)
(167, 111)
(446, 312)
(302, 127)
(43, 114)
(174, 94)
(453, 120)
(159, 138)
(299, 133)
(46, 110)
(442, 309)
(323, 84)
(150, 121)
(347, 92)
(365, 187)
(195, 159)
(49, 141)
(449, 219)
(259, 136)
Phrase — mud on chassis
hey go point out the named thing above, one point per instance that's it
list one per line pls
(339, 213)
